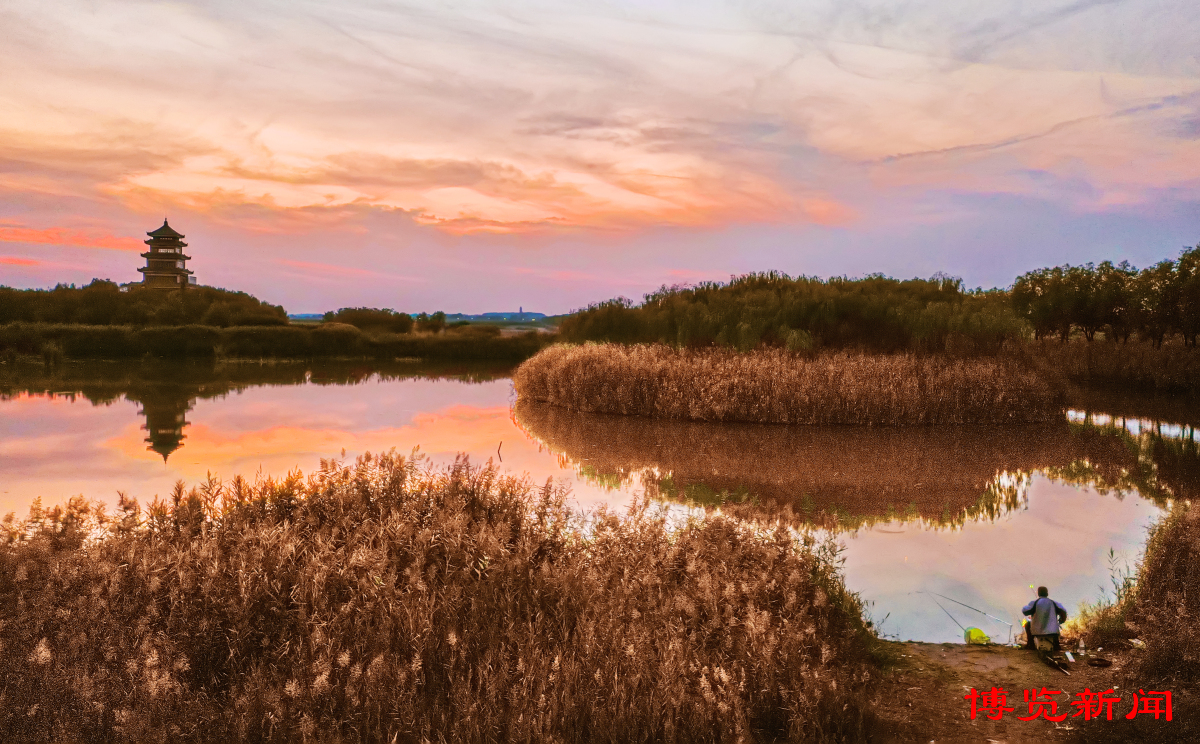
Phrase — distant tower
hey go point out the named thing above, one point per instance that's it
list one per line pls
(166, 266)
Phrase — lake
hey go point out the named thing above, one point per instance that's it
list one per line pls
(930, 518)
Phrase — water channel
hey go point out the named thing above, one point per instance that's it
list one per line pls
(975, 514)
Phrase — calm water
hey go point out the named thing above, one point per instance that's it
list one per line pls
(977, 514)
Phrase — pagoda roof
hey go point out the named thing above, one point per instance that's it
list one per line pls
(165, 231)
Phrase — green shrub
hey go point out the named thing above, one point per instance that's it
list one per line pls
(773, 309)
(372, 319)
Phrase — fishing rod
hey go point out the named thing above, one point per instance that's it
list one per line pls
(969, 607)
(939, 604)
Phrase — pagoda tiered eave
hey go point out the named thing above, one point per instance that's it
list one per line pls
(166, 256)
(164, 272)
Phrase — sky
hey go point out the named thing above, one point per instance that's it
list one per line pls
(470, 157)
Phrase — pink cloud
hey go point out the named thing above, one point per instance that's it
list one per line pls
(11, 233)
(314, 267)
(18, 261)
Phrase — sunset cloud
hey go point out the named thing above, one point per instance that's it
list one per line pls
(581, 125)
(18, 261)
(317, 269)
(67, 237)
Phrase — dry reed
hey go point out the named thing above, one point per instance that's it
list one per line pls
(775, 386)
(1159, 604)
(393, 602)
(1170, 367)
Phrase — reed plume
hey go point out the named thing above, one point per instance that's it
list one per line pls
(390, 601)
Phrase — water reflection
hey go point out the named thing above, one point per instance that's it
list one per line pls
(838, 477)
(1164, 460)
(1013, 495)
(166, 392)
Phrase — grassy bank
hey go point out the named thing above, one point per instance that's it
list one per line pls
(1158, 604)
(52, 342)
(390, 602)
(776, 386)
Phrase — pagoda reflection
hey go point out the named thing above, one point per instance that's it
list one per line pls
(166, 391)
(165, 412)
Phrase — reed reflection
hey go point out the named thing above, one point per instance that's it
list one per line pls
(833, 477)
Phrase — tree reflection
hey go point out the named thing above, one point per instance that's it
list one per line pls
(846, 477)
(166, 391)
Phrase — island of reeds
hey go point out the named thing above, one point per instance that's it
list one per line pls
(778, 386)
(389, 601)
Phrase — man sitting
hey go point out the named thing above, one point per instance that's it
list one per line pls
(1046, 616)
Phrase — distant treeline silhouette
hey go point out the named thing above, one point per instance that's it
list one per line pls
(104, 303)
(54, 342)
(1153, 303)
(807, 313)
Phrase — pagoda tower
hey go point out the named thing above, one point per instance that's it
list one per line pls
(166, 265)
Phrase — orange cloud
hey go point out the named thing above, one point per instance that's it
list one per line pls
(68, 237)
(314, 267)
(18, 261)
(827, 212)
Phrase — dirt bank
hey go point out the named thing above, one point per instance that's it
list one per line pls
(921, 697)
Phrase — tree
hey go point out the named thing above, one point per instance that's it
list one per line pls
(1187, 279)
(1082, 300)
(1114, 297)
(1155, 295)
(1041, 297)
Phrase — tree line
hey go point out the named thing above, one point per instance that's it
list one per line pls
(1152, 303)
(807, 313)
(104, 303)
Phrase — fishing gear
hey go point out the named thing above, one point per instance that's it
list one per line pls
(939, 604)
(969, 607)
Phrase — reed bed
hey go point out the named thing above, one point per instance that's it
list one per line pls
(390, 601)
(1171, 367)
(55, 342)
(1158, 603)
(776, 386)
